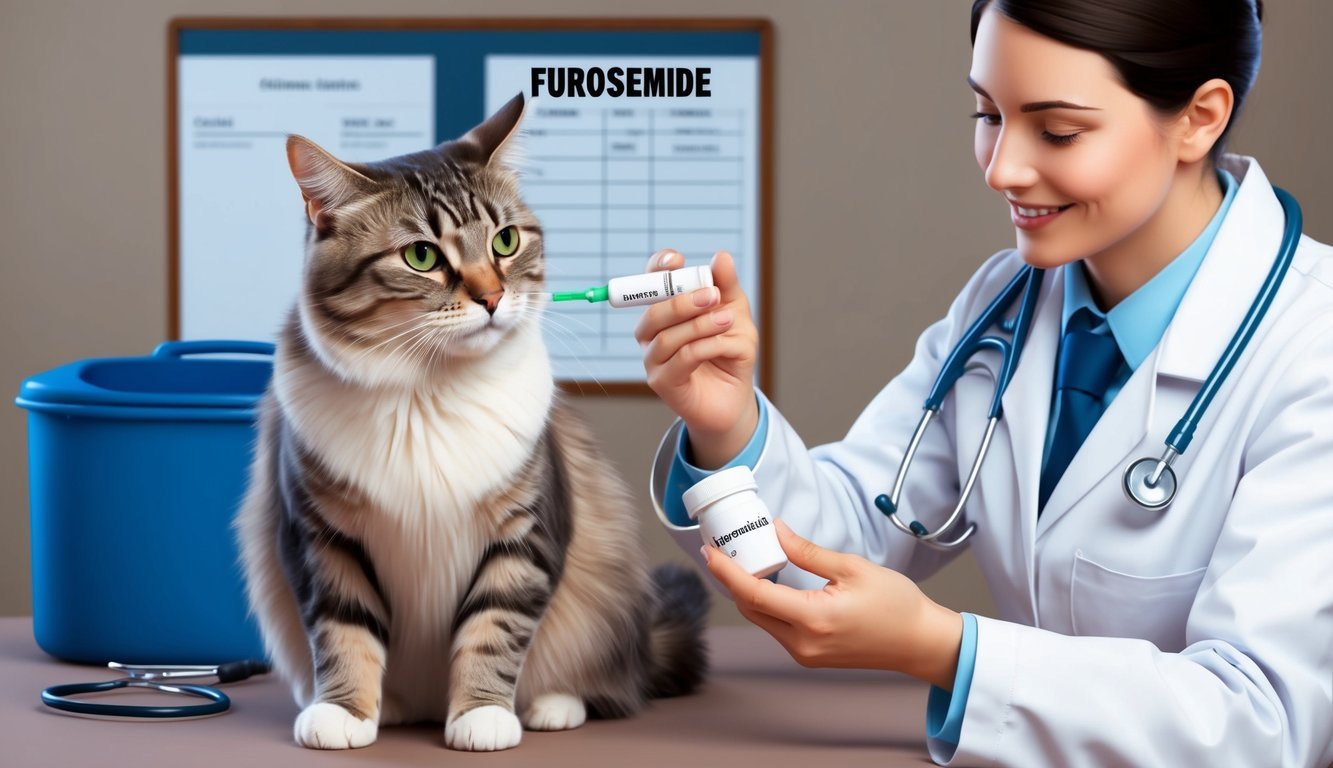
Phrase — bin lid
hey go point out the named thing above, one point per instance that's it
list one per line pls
(168, 378)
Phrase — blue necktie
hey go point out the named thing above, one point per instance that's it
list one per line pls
(1088, 365)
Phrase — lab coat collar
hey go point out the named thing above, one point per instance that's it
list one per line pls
(1208, 315)
(1229, 278)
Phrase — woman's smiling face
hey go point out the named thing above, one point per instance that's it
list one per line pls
(1083, 162)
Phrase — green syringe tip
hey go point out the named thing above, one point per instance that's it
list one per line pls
(592, 294)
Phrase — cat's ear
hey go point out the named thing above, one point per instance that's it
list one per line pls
(326, 182)
(497, 137)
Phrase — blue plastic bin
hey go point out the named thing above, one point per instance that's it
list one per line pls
(136, 468)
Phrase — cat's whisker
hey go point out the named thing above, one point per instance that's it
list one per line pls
(586, 370)
(436, 350)
(440, 342)
(394, 326)
(412, 344)
(401, 356)
(413, 317)
(572, 344)
(391, 358)
(556, 324)
(344, 335)
(423, 346)
(548, 312)
(422, 322)
(556, 319)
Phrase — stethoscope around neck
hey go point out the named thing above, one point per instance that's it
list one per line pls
(1148, 482)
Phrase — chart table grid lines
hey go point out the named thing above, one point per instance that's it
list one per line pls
(615, 180)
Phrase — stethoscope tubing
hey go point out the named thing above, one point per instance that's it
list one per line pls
(159, 677)
(1149, 483)
(1152, 483)
(57, 697)
(1181, 436)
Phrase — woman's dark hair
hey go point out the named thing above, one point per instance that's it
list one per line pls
(1163, 50)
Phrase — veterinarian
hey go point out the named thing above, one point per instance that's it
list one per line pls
(1128, 419)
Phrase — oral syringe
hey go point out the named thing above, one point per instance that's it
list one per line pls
(640, 290)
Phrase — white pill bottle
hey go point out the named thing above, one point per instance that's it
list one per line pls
(736, 521)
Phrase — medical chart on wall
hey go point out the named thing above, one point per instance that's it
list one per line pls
(638, 136)
(614, 179)
(242, 220)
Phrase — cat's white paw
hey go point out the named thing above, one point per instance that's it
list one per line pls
(328, 726)
(555, 712)
(484, 729)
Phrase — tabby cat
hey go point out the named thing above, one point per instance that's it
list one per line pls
(429, 533)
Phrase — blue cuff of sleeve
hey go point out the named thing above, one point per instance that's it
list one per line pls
(683, 474)
(944, 710)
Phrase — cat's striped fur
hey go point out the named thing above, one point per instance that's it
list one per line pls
(429, 534)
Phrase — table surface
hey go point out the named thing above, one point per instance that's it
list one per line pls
(758, 707)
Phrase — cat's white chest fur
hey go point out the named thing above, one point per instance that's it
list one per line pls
(432, 450)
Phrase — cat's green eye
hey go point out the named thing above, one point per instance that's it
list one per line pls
(421, 256)
(505, 241)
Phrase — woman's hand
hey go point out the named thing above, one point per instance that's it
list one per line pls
(866, 617)
(699, 352)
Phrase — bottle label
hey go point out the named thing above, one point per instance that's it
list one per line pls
(753, 525)
(628, 297)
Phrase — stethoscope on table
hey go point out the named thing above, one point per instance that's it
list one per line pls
(156, 677)
(1148, 482)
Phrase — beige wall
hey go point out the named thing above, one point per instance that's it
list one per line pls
(881, 213)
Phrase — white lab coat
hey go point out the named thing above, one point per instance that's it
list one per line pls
(1201, 636)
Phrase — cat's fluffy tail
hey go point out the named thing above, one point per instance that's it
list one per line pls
(678, 656)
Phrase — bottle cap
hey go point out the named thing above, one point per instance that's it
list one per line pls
(716, 486)
(704, 274)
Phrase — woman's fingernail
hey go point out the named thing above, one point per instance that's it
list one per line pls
(704, 551)
(705, 297)
(666, 259)
(722, 317)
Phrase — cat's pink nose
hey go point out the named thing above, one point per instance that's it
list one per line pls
(490, 300)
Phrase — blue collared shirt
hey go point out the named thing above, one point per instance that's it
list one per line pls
(1137, 324)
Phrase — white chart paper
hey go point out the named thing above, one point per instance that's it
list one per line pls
(242, 223)
(614, 179)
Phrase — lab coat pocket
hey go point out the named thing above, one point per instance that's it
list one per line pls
(1109, 603)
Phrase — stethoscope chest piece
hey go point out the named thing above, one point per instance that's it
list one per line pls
(1140, 488)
